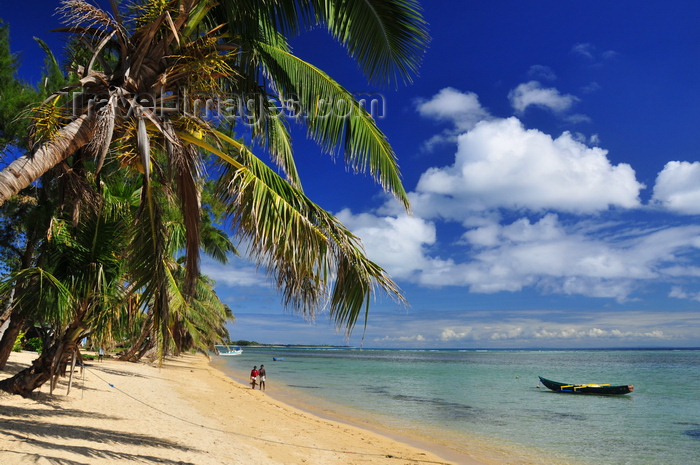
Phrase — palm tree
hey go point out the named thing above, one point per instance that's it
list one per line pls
(80, 281)
(130, 102)
(195, 320)
(83, 288)
(25, 219)
(14, 93)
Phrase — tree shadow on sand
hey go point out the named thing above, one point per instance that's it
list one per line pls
(90, 453)
(16, 427)
(13, 411)
(12, 367)
(113, 371)
(52, 436)
(27, 457)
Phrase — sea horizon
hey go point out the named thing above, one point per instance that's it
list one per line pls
(506, 349)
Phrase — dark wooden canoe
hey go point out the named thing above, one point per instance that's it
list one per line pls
(586, 388)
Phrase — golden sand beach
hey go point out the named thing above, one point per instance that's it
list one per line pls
(184, 412)
(188, 412)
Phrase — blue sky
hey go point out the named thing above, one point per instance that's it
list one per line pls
(550, 149)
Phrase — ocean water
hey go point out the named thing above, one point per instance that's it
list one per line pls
(456, 397)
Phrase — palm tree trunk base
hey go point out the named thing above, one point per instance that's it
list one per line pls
(29, 379)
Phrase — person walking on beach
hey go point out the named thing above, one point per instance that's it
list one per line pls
(261, 374)
(100, 354)
(254, 376)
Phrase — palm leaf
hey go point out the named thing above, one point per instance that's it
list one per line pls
(187, 171)
(148, 257)
(253, 20)
(215, 242)
(41, 294)
(386, 37)
(354, 132)
(314, 259)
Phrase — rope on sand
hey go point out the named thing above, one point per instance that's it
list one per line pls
(271, 441)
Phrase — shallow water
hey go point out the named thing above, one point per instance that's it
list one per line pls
(453, 396)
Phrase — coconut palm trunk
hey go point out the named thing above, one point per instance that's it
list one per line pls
(142, 342)
(15, 313)
(9, 337)
(47, 366)
(30, 167)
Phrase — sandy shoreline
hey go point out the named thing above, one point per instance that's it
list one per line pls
(185, 412)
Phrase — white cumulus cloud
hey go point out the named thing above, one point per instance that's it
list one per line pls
(238, 274)
(677, 187)
(395, 242)
(532, 93)
(451, 334)
(461, 109)
(525, 208)
(499, 163)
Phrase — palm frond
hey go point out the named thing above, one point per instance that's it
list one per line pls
(53, 66)
(314, 259)
(256, 20)
(40, 294)
(271, 131)
(80, 12)
(215, 242)
(148, 257)
(334, 118)
(201, 67)
(277, 140)
(197, 321)
(187, 171)
(99, 145)
(46, 120)
(387, 37)
(197, 16)
(202, 144)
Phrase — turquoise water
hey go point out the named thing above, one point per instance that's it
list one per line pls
(452, 397)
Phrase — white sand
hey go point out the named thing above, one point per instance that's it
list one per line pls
(185, 412)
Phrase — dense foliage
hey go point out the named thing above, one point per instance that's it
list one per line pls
(133, 179)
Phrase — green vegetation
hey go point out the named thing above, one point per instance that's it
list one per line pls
(244, 343)
(34, 344)
(17, 346)
(134, 185)
(15, 95)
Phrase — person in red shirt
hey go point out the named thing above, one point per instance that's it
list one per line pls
(254, 376)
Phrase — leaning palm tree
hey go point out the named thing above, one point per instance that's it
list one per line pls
(135, 103)
(81, 280)
(25, 219)
(83, 287)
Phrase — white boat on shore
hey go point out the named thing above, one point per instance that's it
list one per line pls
(230, 351)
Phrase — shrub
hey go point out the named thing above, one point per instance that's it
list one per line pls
(34, 344)
(17, 347)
